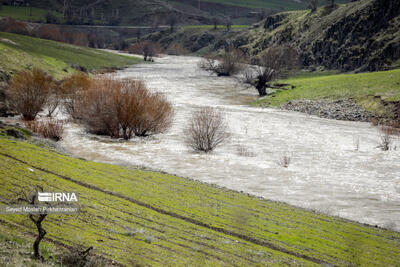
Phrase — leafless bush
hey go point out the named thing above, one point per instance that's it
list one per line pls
(276, 62)
(243, 151)
(79, 257)
(50, 32)
(207, 129)
(230, 63)
(29, 92)
(51, 129)
(122, 109)
(313, 5)
(284, 161)
(176, 50)
(215, 22)
(146, 48)
(72, 89)
(14, 26)
(228, 23)
(172, 20)
(386, 138)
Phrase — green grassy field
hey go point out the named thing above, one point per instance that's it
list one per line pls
(24, 13)
(19, 51)
(148, 218)
(367, 89)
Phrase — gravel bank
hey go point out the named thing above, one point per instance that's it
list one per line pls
(342, 109)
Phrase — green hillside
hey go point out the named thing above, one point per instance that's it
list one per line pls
(18, 52)
(145, 218)
(24, 13)
(376, 91)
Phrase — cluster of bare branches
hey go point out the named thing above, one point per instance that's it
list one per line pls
(231, 62)
(207, 129)
(284, 161)
(146, 48)
(29, 92)
(276, 62)
(52, 129)
(73, 88)
(122, 109)
(313, 5)
(387, 137)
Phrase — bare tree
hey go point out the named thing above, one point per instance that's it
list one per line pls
(261, 14)
(138, 34)
(331, 3)
(207, 129)
(215, 22)
(146, 48)
(228, 64)
(172, 20)
(313, 5)
(276, 62)
(228, 23)
(36, 219)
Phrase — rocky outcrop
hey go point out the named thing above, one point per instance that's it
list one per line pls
(361, 36)
(342, 109)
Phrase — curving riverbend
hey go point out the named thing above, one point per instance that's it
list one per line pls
(326, 173)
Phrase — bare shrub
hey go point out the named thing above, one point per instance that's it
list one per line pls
(51, 129)
(29, 92)
(172, 20)
(146, 48)
(207, 129)
(50, 32)
(276, 62)
(14, 26)
(313, 5)
(72, 89)
(230, 63)
(215, 22)
(176, 50)
(243, 151)
(284, 161)
(78, 257)
(122, 109)
(228, 23)
(386, 138)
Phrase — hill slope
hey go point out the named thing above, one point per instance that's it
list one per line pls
(19, 52)
(148, 218)
(139, 12)
(362, 35)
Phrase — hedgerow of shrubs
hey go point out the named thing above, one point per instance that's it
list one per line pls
(105, 106)
(123, 108)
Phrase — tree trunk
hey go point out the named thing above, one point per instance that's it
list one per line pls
(41, 234)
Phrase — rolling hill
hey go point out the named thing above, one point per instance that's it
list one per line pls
(140, 12)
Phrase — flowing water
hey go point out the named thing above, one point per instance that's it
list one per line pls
(327, 173)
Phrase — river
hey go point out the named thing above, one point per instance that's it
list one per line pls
(327, 173)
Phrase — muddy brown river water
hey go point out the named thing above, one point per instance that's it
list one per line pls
(326, 172)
